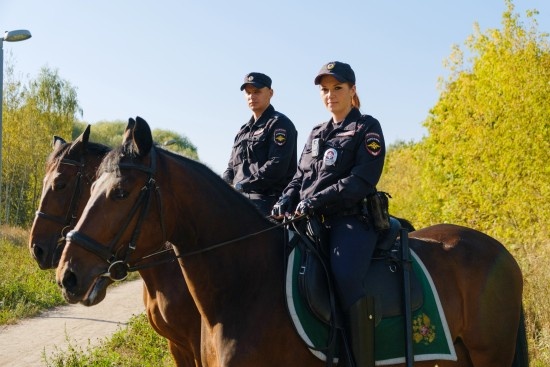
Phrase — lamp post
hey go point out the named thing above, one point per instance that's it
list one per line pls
(9, 36)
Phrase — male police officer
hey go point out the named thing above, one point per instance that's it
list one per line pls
(264, 158)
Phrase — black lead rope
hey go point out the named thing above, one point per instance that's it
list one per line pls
(210, 248)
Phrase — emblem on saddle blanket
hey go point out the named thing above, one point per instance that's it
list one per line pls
(431, 336)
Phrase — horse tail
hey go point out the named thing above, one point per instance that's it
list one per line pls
(521, 357)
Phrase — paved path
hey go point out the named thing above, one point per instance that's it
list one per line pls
(23, 344)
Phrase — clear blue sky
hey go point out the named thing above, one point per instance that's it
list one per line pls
(179, 63)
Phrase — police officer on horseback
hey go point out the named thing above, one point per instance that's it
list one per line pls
(263, 158)
(339, 168)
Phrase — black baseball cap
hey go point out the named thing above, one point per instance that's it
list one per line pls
(340, 70)
(258, 80)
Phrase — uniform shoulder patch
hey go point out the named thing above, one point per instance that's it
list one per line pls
(280, 136)
(373, 144)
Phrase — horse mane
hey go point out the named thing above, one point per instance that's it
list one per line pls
(112, 160)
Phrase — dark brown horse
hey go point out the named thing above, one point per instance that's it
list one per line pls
(233, 261)
(70, 171)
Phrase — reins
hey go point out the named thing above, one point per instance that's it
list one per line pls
(209, 248)
(119, 268)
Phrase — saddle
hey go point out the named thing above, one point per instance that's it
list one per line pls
(384, 280)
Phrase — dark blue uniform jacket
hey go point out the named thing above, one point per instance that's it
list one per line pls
(264, 155)
(340, 165)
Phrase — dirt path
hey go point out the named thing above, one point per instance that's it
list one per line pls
(23, 344)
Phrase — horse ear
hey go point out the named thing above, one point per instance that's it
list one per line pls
(143, 139)
(81, 142)
(57, 142)
(128, 131)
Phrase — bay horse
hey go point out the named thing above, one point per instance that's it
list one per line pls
(233, 261)
(70, 171)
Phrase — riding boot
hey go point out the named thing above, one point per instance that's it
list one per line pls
(361, 331)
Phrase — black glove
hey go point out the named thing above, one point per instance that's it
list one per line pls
(281, 207)
(305, 207)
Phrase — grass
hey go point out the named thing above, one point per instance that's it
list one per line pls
(137, 345)
(25, 290)
(536, 301)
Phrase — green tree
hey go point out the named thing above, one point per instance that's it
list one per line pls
(110, 133)
(489, 134)
(484, 163)
(43, 107)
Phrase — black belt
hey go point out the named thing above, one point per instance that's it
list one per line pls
(254, 195)
(356, 210)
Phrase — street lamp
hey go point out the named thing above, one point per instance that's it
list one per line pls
(9, 36)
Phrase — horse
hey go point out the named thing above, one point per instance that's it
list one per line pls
(233, 261)
(70, 171)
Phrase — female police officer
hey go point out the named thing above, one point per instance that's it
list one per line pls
(340, 166)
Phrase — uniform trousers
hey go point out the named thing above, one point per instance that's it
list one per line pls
(352, 244)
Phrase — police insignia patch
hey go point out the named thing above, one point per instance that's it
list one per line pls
(280, 136)
(372, 143)
(330, 157)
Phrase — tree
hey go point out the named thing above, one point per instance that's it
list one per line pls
(489, 133)
(484, 163)
(43, 107)
(110, 134)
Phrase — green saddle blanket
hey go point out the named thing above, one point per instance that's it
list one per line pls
(431, 336)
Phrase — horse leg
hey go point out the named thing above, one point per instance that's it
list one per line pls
(491, 324)
(209, 356)
(183, 357)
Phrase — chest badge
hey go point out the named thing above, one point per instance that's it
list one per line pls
(330, 157)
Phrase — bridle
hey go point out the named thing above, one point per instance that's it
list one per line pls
(68, 221)
(118, 267)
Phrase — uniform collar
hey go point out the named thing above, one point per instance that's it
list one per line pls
(352, 116)
(347, 124)
(266, 115)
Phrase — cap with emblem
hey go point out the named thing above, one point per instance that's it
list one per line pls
(340, 70)
(258, 80)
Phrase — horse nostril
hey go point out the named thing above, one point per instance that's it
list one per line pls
(57, 256)
(69, 281)
(37, 251)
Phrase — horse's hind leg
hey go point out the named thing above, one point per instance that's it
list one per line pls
(491, 325)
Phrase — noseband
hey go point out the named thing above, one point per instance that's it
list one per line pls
(118, 268)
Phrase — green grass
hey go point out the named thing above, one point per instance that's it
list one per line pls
(25, 290)
(135, 346)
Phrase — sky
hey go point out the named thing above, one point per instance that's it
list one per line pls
(179, 64)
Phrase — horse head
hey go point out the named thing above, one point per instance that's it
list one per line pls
(103, 240)
(143, 197)
(70, 171)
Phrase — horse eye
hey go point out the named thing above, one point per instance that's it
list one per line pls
(119, 193)
(58, 186)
